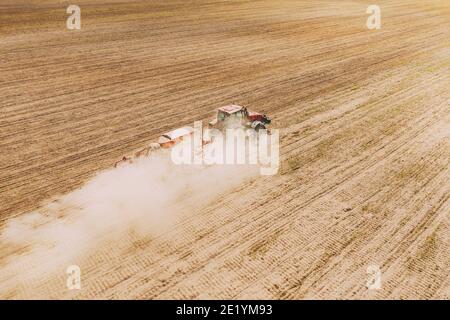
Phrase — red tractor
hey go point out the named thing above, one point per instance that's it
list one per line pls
(231, 116)
(237, 116)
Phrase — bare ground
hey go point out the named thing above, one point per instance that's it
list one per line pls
(365, 141)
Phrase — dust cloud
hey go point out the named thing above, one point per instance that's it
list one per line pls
(146, 196)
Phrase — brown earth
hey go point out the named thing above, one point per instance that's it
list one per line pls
(365, 141)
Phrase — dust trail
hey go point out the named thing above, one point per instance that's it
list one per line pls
(146, 196)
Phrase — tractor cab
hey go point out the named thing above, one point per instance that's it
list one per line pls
(229, 115)
(235, 116)
(233, 110)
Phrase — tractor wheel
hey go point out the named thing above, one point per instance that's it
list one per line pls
(258, 125)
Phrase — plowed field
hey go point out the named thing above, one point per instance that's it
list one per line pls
(364, 120)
